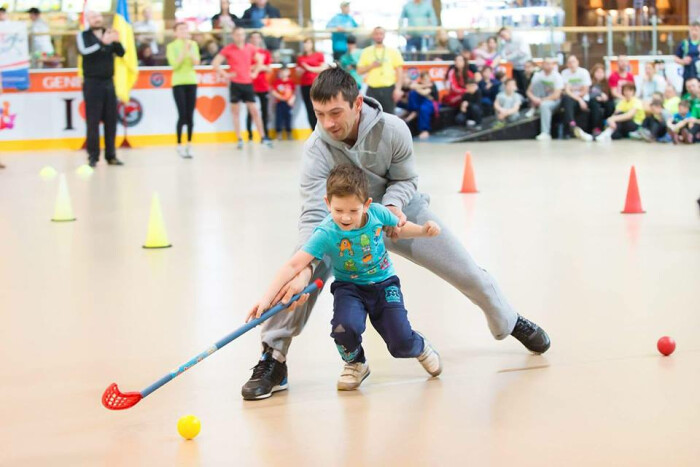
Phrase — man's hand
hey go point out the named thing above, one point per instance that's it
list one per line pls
(687, 60)
(257, 310)
(536, 101)
(393, 232)
(292, 288)
(583, 105)
(431, 229)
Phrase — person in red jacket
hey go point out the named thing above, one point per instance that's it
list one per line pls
(456, 82)
(261, 83)
(309, 65)
(283, 92)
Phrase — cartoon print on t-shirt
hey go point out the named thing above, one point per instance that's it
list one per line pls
(346, 246)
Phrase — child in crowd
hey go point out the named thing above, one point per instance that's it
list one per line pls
(671, 100)
(600, 99)
(654, 126)
(486, 53)
(489, 87)
(693, 96)
(283, 91)
(507, 104)
(629, 115)
(684, 128)
(470, 111)
(365, 281)
(421, 102)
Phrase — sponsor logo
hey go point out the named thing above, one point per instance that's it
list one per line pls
(131, 113)
(7, 119)
(157, 80)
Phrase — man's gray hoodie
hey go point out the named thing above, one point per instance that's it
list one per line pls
(384, 151)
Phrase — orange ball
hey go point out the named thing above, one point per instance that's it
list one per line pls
(666, 345)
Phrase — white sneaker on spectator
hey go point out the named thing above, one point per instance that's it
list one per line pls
(582, 135)
(471, 123)
(606, 135)
(544, 137)
(429, 358)
(530, 113)
(352, 376)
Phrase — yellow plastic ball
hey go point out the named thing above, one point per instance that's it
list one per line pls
(188, 426)
(48, 173)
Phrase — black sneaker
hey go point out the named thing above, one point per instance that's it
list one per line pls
(269, 376)
(114, 161)
(531, 335)
(92, 164)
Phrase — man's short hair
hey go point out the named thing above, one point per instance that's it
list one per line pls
(2, 9)
(347, 180)
(332, 81)
(34, 11)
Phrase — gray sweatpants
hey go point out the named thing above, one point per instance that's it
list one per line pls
(547, 108)
(444, 255)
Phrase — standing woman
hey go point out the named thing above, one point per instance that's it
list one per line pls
(309, 65)
(261, 83)
(183, 56)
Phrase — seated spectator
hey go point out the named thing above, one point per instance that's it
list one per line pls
(629, 114)
(651, 83)
(283, 92)
(489, 87)
(450, 45)
(683, 126)
(463, 41)
(619, 78)
(209, 51)
(224, 19)
(456, 82)
(470, 111)
(600, 103)
(146, 31)
(145, 55)
(544, 94)
(671, 99)
(577, 82)
(422, 100)
(486, 53)
(693, 96)
(508, 102)
(348, 61)
(654, 126)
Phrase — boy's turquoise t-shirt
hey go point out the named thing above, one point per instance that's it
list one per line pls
(359, 255)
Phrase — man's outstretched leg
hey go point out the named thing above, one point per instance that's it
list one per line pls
(446, 257)
(270, 374)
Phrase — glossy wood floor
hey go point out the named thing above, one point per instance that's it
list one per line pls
(83, 305)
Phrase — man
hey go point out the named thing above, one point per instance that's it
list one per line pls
(340, 23)
(254, 17)
(517, 51)
(350, 59)
(577, 82)
(417, 13)
(146, 30)
(688, 53)
(352, 129)
(3, 14)
(40, 44)
(619, 78)
(98, 46)
(544, 94)
(241, 57)
(384, 68)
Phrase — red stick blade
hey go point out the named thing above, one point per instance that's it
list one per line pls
(114, 399)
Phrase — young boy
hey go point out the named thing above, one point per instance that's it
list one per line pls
(629, 114)
(489, 87)
(683, 126)
(654, 126)
(470, 110)
(508, 102)
(283, 92)
(366, 283)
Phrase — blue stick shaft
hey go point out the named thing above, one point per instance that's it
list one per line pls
(224, 341)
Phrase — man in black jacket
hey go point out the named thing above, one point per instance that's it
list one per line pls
(254, 18)
(98, 46)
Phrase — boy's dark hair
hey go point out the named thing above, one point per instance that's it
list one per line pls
(347, 180)
(351, 39)
(656, 103)
(629, 86)
(332, 81)
(684, 103)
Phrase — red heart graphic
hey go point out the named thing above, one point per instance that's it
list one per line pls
(81, 109)
(211, 108)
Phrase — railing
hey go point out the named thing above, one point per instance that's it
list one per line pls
(589, 43)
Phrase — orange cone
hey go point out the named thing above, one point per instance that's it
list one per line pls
(468, 182)
(633, 205)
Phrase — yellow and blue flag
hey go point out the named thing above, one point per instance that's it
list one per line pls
(126, 69)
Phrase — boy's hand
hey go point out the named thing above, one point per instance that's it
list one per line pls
(431, 229)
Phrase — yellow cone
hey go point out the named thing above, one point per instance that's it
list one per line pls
(63, 212)
(156, 236)
(48, 173)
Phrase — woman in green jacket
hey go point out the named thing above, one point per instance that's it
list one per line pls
(183, 56)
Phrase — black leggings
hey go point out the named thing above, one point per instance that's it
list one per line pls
(185, 99)
(599, 112)
(624, 129)
(263, 112)
(306, 94)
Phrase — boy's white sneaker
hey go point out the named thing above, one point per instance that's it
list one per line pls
(582, 135)
(544, 137)
(606, 135)
(429, 358)
(352, 376)
(530, 113)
